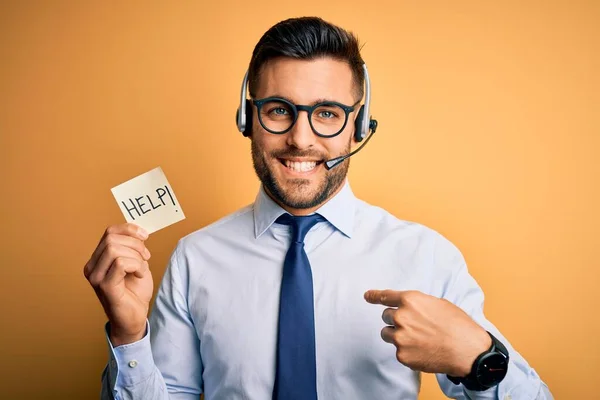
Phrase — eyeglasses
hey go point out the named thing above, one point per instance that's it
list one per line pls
(278, 116)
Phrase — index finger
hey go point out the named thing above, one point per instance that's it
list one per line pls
(127, 229)
(390, 298)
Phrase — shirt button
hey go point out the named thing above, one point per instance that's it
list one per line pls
(132, 364)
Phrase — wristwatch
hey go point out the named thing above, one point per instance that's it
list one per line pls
(488, 370)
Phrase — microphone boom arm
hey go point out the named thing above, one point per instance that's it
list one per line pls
(329, 164)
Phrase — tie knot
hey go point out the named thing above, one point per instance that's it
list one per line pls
(300, 224)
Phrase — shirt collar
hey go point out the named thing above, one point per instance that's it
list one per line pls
(339, 211)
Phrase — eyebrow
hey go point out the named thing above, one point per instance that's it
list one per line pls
(319, 100)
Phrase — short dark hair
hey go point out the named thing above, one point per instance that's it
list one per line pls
(307, 38)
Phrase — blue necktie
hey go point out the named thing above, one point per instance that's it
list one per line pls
(296, 375)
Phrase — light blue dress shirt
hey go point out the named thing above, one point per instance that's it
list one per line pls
(213, 326)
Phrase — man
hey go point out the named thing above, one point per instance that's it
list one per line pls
(341, 301)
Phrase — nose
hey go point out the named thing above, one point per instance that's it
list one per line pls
(301, 135)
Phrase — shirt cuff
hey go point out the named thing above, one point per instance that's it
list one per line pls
(516, 385)
(130, 363)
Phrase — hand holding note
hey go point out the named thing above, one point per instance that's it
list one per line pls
(119, 273)
(118, 269)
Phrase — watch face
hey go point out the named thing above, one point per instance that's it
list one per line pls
(492, 369)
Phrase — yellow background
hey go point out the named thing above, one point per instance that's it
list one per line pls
(489, 133)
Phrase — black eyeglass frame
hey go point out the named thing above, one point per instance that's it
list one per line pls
(296, 108)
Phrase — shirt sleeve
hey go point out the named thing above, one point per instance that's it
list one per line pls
(165, 364)
(521, 382)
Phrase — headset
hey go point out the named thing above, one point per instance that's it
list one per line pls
(362, 125)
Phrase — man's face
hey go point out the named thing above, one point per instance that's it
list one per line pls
(290, 165)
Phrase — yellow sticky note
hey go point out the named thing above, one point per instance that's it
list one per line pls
(149, 201)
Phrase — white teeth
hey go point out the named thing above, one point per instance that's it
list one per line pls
(300, 166)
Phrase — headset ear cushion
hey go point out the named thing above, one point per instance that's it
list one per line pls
(248, 128)
(358, 124)
(248, 131)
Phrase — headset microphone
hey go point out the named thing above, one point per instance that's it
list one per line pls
(329, 164)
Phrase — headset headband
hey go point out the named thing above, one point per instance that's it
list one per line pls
(365, 122)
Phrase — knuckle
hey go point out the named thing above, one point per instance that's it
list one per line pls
(94, 280)
(112, 250)
(120, 263)
(398, 339)
(409, 298)
(397, 318)
(136, 254)
(400, 356)
(387, 294)
(103, 286)
(110, 239)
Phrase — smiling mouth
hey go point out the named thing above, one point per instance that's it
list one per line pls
(300, 166)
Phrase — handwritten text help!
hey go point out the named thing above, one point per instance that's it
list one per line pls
(149, 201)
